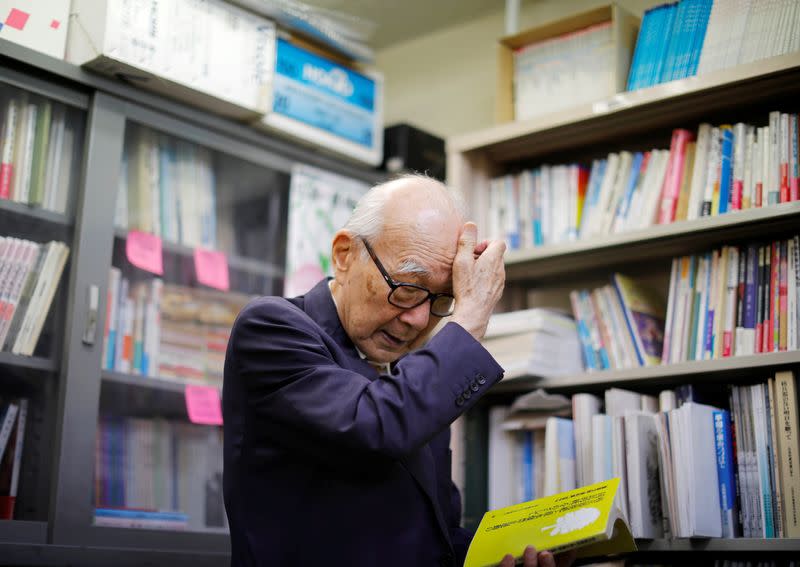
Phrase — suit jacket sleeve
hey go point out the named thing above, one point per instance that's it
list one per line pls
(307, 398)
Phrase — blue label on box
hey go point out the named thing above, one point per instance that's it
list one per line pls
(320, 93)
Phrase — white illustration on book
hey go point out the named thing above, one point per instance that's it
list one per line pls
(574, 521)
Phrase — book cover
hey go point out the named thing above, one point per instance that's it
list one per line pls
(644, 314)
(7, 152)
(722, 196)
(725, 473)
(787, 431)
(587, 518)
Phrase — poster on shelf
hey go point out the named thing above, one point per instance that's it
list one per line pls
(36, 24)
(320, 202)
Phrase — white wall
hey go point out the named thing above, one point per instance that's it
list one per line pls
(444, 82)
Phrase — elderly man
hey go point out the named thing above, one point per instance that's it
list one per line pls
(337, 404)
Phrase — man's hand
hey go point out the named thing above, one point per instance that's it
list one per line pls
(544, 559)
(478, 279)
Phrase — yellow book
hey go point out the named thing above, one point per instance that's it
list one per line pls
(587, 519)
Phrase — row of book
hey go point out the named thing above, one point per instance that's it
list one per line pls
(167, 188)
(722, 169)
(155, 473)
(13, 421)
(688, 468)
(29, 276)
(554, 74)
(681, 39)
(734, 301)
(166, 330)
(37, 151)
(670, 43)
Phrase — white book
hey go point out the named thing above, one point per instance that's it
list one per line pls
(112, 318)
(712, 172)
(14, 286)
(8, 415)
(731, 286)
(667, 401)
(773, 170)
(63, 182)
(736, 26)
(618, 401)
(503, 462)
(620, 326)
(791, 296)
(617, 191)
(652, 193)
(584, 407)
(24, 156)
(762, 458)
(21, 340)
(737, 185)
(10, 128)
(43, 299)
(559, 456)
(699, 172)
(619, 460)
(747, 187)
(602, 448)
(642, 462)
(669, 503)
(606, 194)
(765, 142)
(55, 151)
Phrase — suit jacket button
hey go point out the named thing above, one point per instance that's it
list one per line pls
(481, 379)
(460, 401)
(474, 387)
(467, 394)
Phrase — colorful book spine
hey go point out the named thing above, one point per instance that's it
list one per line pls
(725, 170)
(725, 473)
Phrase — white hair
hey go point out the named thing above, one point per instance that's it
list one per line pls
(368, 216)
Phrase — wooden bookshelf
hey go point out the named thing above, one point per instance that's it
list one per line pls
(239, 263)
(660, 241)
(722, 371)
(666, 104)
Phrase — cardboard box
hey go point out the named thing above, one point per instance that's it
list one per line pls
(321, 101)
(624, 29)
(210, 54)
(36, 24)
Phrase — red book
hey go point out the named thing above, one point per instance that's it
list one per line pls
(671, 190)
(783, 319)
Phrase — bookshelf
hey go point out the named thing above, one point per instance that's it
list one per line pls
(71, 393)
(543, 276)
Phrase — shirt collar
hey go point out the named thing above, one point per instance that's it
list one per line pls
(382, 367)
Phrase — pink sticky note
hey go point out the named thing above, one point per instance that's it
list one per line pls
(17, 19)
(144, 251)
(203, 405)
(211, 268)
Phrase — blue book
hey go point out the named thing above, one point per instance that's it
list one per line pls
(527, 466)
(699, 38)
(725, 473)
(660, 53)
(725, 169)
(538, 236)
(647, 34)
(633, 178)
(692, 19)
(750, 289)
(675, 41)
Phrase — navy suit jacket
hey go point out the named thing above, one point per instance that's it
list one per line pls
(328, 463)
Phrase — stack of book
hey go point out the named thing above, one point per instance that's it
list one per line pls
(681, 39)
(13, 419)
(154, 473)
(37, 151)
(29, 276)
(620, 325)
(718, 170)
(539, 342)
(167, 188)
(688, 468)
(166, 330)
(734, 301)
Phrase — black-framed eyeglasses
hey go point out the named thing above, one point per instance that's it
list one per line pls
(409, 295)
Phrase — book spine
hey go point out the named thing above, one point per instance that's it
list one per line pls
(732, 285)
(725, 170)
(712, 173)
(725, 474)
(788, 431)
(783, 286)
(794, 157)
(783, 150)
(773, 168)
(7, 156)
(739, 142)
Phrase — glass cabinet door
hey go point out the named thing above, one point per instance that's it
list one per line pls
(41, 141)
(165, 331)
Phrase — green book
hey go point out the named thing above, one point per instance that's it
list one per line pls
(39, 167)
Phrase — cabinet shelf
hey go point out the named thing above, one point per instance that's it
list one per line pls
(719, 370)
(20, 531)
(667, 104)
(143, 396)
(666, 240)
(43, 215)
(10, 360)
(239, 263)
(719, 545)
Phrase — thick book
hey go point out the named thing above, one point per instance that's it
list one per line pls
(644, 314)
(587, 519)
